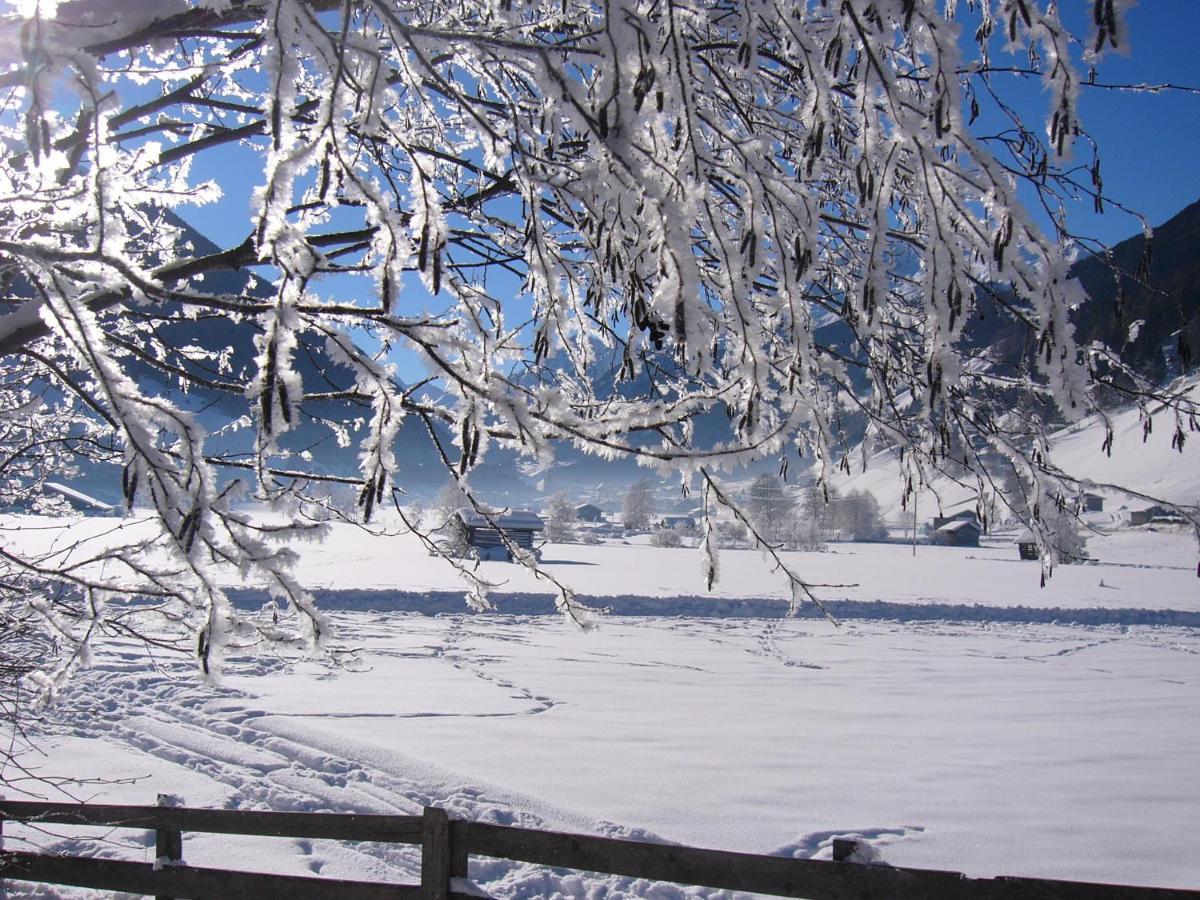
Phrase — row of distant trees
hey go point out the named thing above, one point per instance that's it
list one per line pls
(782, 515)
(808, 517)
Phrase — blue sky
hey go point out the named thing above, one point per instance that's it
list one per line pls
(1149, 143)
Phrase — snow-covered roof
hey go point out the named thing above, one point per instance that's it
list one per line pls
(78, 497)
(960, 524)
(514, 518)
(965, 515)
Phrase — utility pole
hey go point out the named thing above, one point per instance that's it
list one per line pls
(914, 523)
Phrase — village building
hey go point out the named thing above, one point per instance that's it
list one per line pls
(1152, 514)
(677, 522)
(1027, 546)
(589, 512)
(481, 536)
(959, 530)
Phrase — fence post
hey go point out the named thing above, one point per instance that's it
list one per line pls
(168, 842)
(843, 849)
(459, 855)
(435, 854)
(3, 881)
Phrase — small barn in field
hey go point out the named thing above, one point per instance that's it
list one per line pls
(589, 513)
(967, 515)
(481, 534)
(1027, 546)
(962, 533)
(960, 530)
(1154, 514)
(678, 522)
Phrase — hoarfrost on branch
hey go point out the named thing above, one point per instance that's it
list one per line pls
(594, 223)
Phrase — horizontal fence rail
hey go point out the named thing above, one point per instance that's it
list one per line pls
(336, 826)
(814, 879)
(189, 881)
(447, 845)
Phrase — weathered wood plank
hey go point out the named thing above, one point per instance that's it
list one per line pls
(190, 881)
(168, 843)
(1009, 888)
(813, 879)
(460, 856)
(435, 854)
(334, 826)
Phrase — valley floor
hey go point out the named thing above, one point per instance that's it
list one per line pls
(1035, 747)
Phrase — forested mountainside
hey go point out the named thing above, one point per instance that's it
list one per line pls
(1144, 304)
(1159, 288)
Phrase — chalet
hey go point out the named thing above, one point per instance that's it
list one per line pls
(589, 513)
(957, 532)
(1093, 503)
(481, 536)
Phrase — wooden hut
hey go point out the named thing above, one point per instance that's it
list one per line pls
(482, 539)
(967, 515)
(957, 533)
(1149, 514)
(1026, 546)
(589, 512)
(81, 502)
(677, 522)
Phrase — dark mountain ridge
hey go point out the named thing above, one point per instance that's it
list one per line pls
(1159, 289)
(1156, 283)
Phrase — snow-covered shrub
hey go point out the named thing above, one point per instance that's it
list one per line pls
(638, 506)
(560, 518)
(731, 533)
(666, 537)
(859, 518)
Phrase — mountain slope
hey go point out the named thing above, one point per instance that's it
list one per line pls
(1149, 466)
(1164, 296)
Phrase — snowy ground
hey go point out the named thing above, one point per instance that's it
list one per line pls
(1132, 569)
(1031, 747)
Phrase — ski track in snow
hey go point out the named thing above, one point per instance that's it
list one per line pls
(267, 759)
(769, 649)
(217, 733)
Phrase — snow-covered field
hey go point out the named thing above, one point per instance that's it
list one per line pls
(956, 741)
(1132, 569)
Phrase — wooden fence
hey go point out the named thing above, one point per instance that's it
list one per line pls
(447, 845)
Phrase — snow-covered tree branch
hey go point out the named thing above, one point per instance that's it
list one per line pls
(593, 223)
